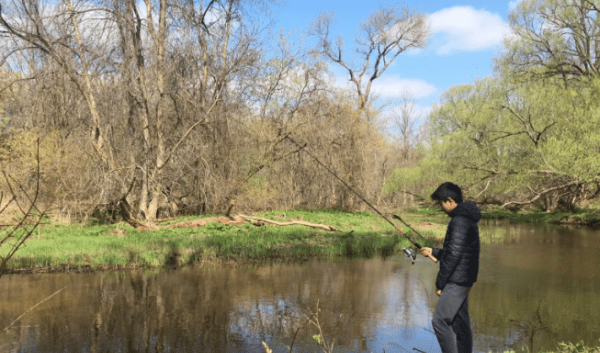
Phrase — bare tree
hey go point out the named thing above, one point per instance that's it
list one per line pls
(176, 107)
(404, 119)
(21, 202)
(137, 48)
(386, 34)
(57, 33)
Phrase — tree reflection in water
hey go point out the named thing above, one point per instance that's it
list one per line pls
(216, 309)
(527, 296)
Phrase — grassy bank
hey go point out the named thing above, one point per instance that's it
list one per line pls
(363, 234)
(575, 348)
(570, 348)
(80, 247)
(589, 217)
(583, 217)
(91, 246)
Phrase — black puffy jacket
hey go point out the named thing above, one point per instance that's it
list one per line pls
(459, 259)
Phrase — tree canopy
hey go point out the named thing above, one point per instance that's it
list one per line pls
(529, 134)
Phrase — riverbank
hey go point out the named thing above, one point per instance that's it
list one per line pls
(585, 217)
(57, 247)
(188, 240)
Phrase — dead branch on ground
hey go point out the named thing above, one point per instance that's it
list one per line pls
(241, 219)
(292, 223)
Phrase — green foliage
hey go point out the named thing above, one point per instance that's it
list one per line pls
(536, 216)
(515, 134)
(552, 38)
(318, 339)
(573, 148)
(403, 179)
(527, 129)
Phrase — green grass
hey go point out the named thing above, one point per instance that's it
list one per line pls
(575, 348)
(571, 348)
(364, 234)
(582, 216)
(76, 246)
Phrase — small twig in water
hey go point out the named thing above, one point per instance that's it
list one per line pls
(33, 307)
(298, 329)
(314, 319)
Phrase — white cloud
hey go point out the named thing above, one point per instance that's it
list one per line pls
(392, 86)
(466, 29)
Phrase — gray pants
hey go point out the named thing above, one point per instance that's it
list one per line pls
(451, 318)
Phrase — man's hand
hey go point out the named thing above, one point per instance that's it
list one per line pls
(438, 292)
(426, 251)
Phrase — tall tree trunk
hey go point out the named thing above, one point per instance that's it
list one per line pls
(159, 42)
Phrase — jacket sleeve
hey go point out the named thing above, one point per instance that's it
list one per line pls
(437, 253)
(453, 250)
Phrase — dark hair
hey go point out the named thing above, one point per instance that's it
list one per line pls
(446, 191)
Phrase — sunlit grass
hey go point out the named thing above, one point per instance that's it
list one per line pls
(363, 235)
(575, 348)
(579, 347)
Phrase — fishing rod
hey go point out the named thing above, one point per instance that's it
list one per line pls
(406, 224)
(409, 252)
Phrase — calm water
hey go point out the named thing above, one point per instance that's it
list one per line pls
(537, 287)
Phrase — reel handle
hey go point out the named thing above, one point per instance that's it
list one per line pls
(433, 258)
(430, 256)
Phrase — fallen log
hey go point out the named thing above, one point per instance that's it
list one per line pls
(240, 219)
(204, 221)
(302, 223)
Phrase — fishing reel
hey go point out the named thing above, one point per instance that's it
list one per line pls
(411, 254)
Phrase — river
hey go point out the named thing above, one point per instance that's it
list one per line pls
(538, 286)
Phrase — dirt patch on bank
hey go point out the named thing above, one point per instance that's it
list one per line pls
(427, 226)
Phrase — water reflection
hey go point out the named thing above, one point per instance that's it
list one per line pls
(536, 288)
(539, 288)
(365, 304)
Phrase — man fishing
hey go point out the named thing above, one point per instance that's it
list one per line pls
(459, 265)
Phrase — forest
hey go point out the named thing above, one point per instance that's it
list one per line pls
(150, 109)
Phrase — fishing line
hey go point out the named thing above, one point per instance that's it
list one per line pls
(409, 252)
(406, 224)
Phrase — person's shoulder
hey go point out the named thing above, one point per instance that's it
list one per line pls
(461, 220)
(467, 211)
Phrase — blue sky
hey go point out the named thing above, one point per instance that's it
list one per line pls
(466, 35)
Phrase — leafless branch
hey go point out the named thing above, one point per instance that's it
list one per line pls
(33, 307)
(16, 234)
(541, 193)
